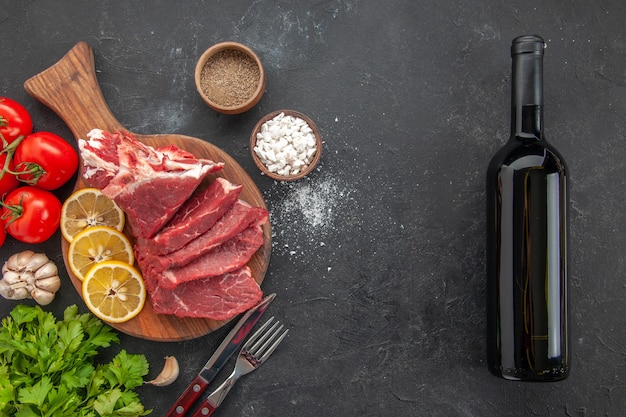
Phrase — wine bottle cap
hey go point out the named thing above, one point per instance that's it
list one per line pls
(528, 44)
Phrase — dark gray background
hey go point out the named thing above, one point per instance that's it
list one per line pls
(378, 256)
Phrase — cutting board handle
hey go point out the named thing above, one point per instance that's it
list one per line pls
(70, 88)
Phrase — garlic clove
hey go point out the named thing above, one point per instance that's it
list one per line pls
(49, 269)
(168, 374)
(5, 287)
(50, 284)
(18, 261)
(11, 277)
(42, 297)
(36, 261)
(18, 293)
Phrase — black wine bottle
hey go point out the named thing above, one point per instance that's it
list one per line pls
(527, 233)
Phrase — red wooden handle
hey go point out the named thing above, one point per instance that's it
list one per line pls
(205, 410)
(186, 400)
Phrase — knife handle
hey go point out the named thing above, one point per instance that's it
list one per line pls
(206, 409)
(186, 400)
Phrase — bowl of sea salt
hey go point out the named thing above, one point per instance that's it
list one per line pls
(286, 145)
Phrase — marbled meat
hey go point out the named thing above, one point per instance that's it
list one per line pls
(227, 257)
(224, 296)
(149, 184)
(238, 218)
(195, 217)
(192, 243)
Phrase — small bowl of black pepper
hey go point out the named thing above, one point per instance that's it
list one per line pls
(230, 78)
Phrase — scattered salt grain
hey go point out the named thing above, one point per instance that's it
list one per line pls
(285, 145)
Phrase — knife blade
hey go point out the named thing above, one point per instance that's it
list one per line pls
(224, 351)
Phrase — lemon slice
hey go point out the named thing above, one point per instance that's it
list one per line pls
(88, 207)
(98, 244)
(114, 291)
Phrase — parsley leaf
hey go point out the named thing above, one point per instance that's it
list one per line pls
(47, 367)
(36, 394)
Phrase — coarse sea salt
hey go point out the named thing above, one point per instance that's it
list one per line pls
(286, 145)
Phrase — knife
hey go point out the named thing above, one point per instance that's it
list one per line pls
(230, 345)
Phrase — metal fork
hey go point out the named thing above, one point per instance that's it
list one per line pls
(252, 355)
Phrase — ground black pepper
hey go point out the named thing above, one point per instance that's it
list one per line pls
(230, 77)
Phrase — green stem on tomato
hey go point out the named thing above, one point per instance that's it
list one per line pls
(28, 169)
(9, 149)
(13, 212)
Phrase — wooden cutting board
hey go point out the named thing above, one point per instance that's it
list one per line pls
(71, 90)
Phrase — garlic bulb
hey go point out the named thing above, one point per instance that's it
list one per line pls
(168, 374)
(30, 275)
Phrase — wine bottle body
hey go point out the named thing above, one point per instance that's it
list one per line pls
(527, 300)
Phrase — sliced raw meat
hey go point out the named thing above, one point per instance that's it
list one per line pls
(194, 218)
(217, 298)
(238, 218)
(227, 257)
(149, 184)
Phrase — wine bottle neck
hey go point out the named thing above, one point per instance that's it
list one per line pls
(527, 87)
(526, 122)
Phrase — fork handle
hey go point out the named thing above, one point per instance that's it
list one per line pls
(210, 404)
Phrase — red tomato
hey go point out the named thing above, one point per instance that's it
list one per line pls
(31, 214)
(3, 233)
(45, 160)
(15, 120)
(8, 181)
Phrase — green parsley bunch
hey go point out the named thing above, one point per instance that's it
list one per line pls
(47, 367)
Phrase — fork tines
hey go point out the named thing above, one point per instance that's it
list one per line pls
(262, 343)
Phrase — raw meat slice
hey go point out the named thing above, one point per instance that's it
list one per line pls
(194, 218)
(149, 184)
(238, 218)
(227, 257)
(217, 298)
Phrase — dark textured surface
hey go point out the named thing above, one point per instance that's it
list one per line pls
(378, 256)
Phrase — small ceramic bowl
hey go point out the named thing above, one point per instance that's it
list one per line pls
(314, 159)
(230, 78)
